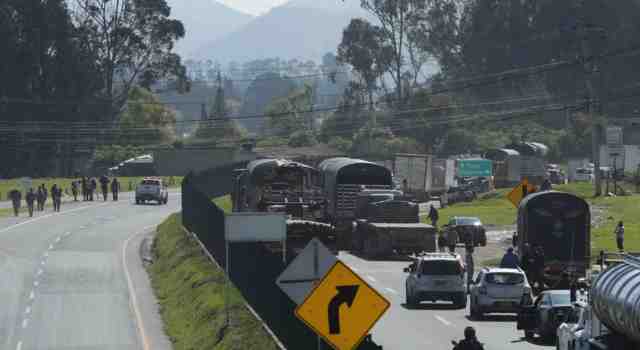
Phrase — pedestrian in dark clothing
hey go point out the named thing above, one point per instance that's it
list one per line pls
(470, 267)
(16, 198)
(452, 240)
(433, 215)
(74, 190)
(56, 197)
(93, 185)
(45, 197)
(115, 188)
(30, 198)
(619, 232)
(514, 239)
(509, 260)
(470, 341)
(527, 262)
(538, 267)
(85, 189)
(546, 185)
(104, 185)
(40, 198)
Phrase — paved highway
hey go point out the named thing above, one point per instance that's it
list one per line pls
(63, 281)
(430, 326)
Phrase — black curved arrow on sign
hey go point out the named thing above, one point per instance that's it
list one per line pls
(346, 294)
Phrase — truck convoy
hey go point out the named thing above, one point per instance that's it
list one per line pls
(347, 203)
(560, 224)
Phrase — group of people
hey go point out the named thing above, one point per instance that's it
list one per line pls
(532, 263)
(36, 199)
(88, 187)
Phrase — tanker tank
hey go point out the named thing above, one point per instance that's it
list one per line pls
(615, 298)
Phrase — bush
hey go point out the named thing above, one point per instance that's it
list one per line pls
(342, 144)
(302, 139)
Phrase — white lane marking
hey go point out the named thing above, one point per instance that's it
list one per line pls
(32, 295)
(67, 234)
(40, 272)
(58, 239)
(50, 215)
(19, 345)
(443, 320)
(43, 262)
(132, 292)
(50, 246)
(371, 278)
(391, 290)
(25, 323)
(27, 310)
(36, 283)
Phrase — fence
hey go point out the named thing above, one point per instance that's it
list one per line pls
(253, 267)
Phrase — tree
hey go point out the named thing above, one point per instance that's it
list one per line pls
(363, 47)
(132, 41)
(218, 125)
(261, 92)
(146, 120)
(291, 113)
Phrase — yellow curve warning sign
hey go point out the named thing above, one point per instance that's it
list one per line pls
(342, 308)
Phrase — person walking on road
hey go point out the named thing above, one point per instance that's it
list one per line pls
(619, 232)
(93, 185)
(470, 267)
(509, 260)
(452, 240)
(115, 188)
(30, 199)
(104, 186)
(40, 198)
(45, 195)
(56, 197)
(16, 198)
(74, 190)
(433, 216)
(470, 341)
(85, 189)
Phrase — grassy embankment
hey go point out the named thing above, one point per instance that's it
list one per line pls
(190, 290)
(495, 209)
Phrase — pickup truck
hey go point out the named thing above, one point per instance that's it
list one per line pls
(152, 189)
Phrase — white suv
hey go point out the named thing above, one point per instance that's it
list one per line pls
(152, 189)
(436, 276)
(498, 290)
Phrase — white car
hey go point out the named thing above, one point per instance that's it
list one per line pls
(434, 277)
(584, 174)
(498, 290)
(152, 189)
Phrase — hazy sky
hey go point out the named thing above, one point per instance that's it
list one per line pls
(254, 7)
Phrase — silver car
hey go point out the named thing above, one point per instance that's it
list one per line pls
(498, 290)
(434, 277)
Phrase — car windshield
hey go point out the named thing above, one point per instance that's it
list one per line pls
(151, 182)
(560, 299)
(441, 268)
(504, 278)
(469, 221)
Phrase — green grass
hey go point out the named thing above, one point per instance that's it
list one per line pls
(492, 209)
(223, 203)
(190, 290)
(126, 183)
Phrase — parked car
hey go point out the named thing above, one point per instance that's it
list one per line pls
(550, 309)
(436, 276)
(498, 290)
(468, 228)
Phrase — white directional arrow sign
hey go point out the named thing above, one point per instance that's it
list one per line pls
(299, 278)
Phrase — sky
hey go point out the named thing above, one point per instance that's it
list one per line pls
(253, 7)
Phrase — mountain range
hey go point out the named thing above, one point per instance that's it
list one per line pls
(302, 29)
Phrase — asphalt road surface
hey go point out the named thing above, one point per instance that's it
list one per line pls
(431, 326)
(65, 281)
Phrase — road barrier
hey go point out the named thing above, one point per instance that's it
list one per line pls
(253, 267)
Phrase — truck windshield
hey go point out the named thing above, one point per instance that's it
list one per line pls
(504, 278)
(441, 268)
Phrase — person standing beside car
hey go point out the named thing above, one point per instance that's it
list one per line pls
(433, 216)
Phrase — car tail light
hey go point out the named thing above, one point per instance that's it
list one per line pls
(483, 290)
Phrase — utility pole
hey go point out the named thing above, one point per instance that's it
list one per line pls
(589, 70)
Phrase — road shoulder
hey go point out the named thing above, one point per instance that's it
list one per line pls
(148, 316)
